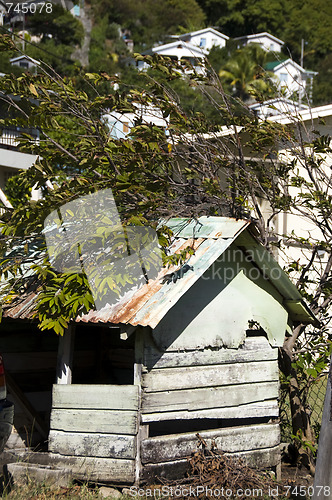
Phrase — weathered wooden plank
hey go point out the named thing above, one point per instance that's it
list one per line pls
(111, 470)
(264, 458)
(139, 353)
(106, 397)
(208, 397)
(254, 349)
(92, 445)
(102, 421)
(206, 376)
(251, 410)
(231, 439)
(269, 457)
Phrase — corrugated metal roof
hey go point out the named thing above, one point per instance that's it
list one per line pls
(209, 236)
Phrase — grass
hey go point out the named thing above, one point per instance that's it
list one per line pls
(40, 491)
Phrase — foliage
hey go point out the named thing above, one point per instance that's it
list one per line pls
(61, 26)
(241, 17)
(150, 21)
(105, 40)
(246, 75)
(57, 56)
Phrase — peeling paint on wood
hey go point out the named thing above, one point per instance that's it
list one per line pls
(211, 397)
(118, 471)
(254, 349)
(102, 421)
(204, 376)
(92, 445)
(263, 458)
(205, 315)
(232, 439)
(106, 397)
(251, 410)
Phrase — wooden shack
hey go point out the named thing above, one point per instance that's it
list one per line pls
(193, 351)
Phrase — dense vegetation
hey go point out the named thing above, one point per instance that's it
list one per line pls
(147, 22)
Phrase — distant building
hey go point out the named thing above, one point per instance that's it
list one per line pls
(24, 62)
(205, 39)
(265, 40)
(277, 107)
(292, 77)
(179, 51)
(3, 12)
(12, 160)
(120, 124)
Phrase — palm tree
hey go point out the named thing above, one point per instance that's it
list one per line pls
(245, 72)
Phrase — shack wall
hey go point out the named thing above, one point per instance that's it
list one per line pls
(229, 395)
(97, 422)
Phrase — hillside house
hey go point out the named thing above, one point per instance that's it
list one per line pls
(277, 107)
(294, 80)
(178, 51)
(194, 350)
(3, 12)
(11, 159)
(25, 62)
(120, 124)
(265, 40)
(205, 39)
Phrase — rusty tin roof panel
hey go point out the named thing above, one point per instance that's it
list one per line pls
(146, 306)
(207, 227)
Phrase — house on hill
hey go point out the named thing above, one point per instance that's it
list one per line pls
(3, 12)
(294, 80)
(25, 62)
(280, 106)
(205, 39)
(193, 350)
(178, 51)
(265, 40)
(120, 124)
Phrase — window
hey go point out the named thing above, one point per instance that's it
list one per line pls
(283, 77)
(202, 43)
(24, 65)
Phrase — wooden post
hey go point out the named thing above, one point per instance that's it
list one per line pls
(323, 475)
(143, 430)
(65, 356)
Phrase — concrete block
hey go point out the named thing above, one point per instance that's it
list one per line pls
(22, 472)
